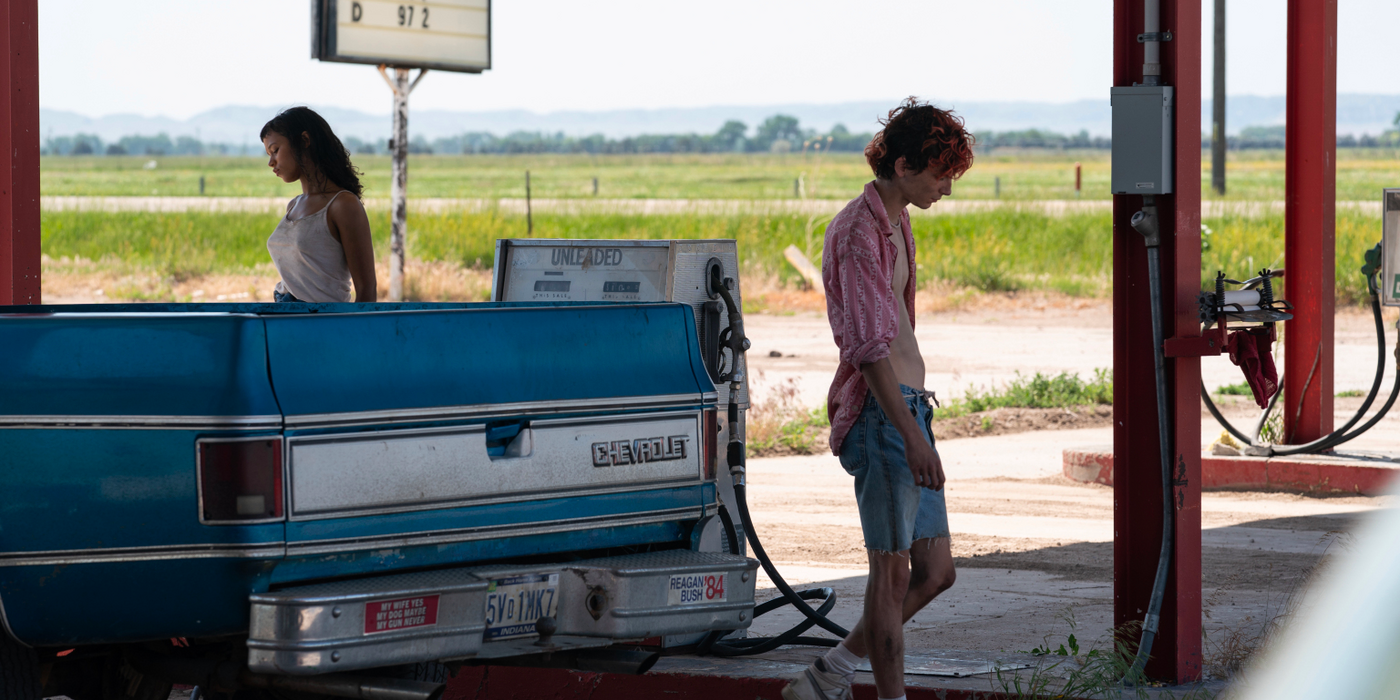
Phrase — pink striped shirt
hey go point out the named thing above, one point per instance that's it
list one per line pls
(858, 272)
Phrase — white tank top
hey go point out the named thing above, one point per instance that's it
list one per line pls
(309, 259)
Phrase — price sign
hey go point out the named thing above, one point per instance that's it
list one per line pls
(452, 35)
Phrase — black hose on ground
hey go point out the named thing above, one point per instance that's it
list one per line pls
(1340, 435)
(712, 643)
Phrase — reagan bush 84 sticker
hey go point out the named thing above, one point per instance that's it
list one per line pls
(693, 589)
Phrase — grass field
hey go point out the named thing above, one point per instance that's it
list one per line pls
(1002, 250)
(1253, 175)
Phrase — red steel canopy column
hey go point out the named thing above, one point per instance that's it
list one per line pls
(1310, 246)
(1137, 490)
(19, 153)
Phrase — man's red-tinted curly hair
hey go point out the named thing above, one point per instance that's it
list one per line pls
(923, 135)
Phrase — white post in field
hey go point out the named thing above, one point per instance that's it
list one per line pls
(398, 191)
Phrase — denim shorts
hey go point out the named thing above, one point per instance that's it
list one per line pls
(894, 511)
(283, 297)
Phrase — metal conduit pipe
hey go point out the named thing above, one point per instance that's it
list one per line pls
(1151, 48)
(1145, 222)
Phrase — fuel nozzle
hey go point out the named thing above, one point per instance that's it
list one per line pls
(1145, 222)
(1372, 268)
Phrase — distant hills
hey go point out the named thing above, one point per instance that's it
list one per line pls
(238, 125)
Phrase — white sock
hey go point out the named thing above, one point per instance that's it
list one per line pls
(840, 660)
(902, 697)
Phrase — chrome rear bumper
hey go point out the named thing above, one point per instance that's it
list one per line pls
(432, 615)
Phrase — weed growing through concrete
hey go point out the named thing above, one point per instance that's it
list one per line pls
(1099, 672)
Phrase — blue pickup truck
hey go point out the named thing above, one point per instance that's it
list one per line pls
(285, 495)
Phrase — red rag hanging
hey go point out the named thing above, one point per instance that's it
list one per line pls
(1263, 347)
(1244, 352)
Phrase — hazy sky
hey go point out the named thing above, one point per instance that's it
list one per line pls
(178, 57)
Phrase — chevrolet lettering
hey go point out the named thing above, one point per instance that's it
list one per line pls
(640, 451)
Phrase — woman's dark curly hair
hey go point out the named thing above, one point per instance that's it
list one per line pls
(325, 151)
(923, 135)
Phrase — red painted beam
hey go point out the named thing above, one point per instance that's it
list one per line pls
(1094, 465)
(1310, 246)
(1176, 654)
(19, 143)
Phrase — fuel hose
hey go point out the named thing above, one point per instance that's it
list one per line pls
(714, 643)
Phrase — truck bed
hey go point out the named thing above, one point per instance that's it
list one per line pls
(409, 437)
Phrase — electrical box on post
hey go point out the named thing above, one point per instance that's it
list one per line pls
(1142, 139)
(1390, 247)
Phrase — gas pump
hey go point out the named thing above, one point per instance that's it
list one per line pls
(1382, 272)
(1390, 247)
(629, 271)
(703, 274)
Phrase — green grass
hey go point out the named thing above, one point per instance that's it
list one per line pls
(999, 251)
(993, 251)
(1024, 175)
(1240, 246)
(1060, 391)
(1002, 250)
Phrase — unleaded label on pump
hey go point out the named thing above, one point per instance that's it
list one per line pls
(695, 589)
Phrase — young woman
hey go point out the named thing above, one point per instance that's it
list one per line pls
(322, 246)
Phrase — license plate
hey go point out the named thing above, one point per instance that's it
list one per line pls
(694, 589)
(513, 604)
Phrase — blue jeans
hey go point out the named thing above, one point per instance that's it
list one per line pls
(283, 297)
(894, 511)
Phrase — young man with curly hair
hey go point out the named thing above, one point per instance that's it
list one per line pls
(880, 411)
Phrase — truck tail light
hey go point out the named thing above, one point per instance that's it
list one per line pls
(710, 426)
(240, 480)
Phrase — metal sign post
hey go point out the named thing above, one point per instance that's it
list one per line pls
(398, 190)
(452, 35)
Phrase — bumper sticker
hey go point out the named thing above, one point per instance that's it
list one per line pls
(692, 589)
(400, 613)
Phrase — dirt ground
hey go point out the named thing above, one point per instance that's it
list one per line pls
(1034, 550)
